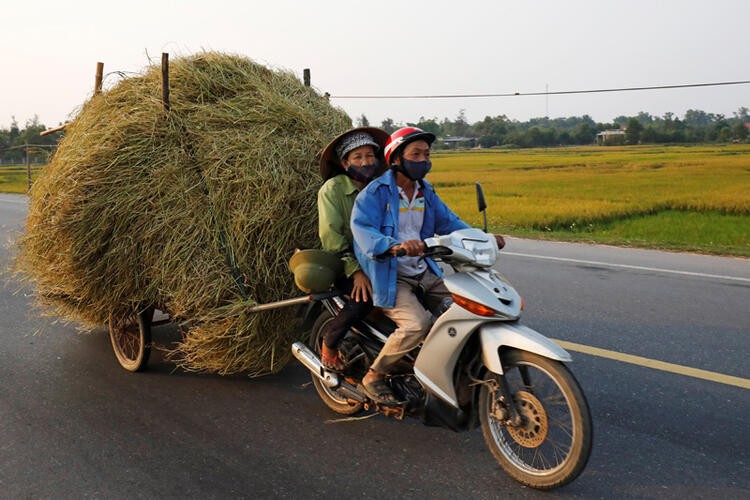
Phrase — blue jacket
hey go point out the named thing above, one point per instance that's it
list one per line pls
(374, 226)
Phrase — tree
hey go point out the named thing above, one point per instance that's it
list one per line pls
(649, 134)
(14, 130)
(491, 131)
(742, 114)
(697, 118)
(459, 127)
(388, 125)
(583, 133)
(740, 132)
(633, 131)
(724, 135)
(362, 121)
(430, 125)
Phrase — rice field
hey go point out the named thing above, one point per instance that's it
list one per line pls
(13, 178)
(693, 198)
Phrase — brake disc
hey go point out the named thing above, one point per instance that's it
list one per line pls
(533, 431)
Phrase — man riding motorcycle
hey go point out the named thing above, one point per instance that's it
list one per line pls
(396, 212)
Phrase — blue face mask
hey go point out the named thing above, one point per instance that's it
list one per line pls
(363, 173)
(415, 170)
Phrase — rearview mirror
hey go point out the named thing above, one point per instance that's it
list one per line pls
(480, 198)
(482, 204)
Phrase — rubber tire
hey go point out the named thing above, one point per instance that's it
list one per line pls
(136, 358)
(577, 405)
(330, 397)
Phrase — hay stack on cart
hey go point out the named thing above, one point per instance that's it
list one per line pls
(194, 211)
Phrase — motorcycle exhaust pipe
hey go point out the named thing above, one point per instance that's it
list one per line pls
(312, 363)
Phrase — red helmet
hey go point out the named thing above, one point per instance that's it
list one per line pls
(404, 136)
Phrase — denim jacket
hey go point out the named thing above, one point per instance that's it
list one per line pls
(374, 226)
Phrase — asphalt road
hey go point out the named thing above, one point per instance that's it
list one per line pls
(75, 425)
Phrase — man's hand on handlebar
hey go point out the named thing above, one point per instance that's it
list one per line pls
(413, 248)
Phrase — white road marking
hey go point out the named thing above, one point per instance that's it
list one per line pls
(627, 266)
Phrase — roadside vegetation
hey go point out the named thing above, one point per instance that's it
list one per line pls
(682, 197)
(693, 198)
(688, 198)
(13, 178)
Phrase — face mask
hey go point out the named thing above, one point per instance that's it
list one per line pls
(362, 173)
(415, 170)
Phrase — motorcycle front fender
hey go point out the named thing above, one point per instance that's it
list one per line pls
(494, 336)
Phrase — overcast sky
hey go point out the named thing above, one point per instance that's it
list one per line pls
(50, 50)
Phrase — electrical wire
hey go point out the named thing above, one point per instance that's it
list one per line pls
(560, 92)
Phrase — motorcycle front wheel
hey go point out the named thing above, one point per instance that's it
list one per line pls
(330, 397)
(552, 444)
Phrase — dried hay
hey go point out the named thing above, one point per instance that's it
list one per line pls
(138, 207)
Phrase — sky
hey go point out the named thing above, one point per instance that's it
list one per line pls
(354, 48)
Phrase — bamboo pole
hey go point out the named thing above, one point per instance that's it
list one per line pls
(99, 77)
(165, 81)
(306, 76)
(52, 130)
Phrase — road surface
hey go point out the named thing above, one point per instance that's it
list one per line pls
(73, 424)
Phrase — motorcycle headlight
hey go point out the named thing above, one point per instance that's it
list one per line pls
(485, 252)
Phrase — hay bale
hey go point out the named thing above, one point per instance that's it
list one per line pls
(138, 207)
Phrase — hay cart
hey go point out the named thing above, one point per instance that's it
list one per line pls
(314, 273)
(131, 335)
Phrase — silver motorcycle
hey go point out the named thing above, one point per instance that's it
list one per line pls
(478, 366)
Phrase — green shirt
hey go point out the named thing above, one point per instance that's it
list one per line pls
(335, 203)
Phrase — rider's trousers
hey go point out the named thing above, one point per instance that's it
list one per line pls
(351, 312)
(413, 321)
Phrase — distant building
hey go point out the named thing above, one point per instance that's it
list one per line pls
(451, 142)
(610, 137)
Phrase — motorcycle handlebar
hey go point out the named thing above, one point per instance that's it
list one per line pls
(388, 255)
(429, 252)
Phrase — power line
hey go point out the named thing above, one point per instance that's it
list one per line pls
(560, 92)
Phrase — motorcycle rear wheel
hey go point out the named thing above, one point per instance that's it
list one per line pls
(550, 449)
(330, 397)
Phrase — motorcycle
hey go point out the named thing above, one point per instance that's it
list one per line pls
(477, 367)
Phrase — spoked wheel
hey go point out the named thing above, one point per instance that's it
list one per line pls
(330, 397)
(131, 339)
(552, 444)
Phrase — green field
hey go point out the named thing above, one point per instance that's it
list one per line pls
(693, 198)
(13, 178)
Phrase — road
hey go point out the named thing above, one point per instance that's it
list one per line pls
(74, 424)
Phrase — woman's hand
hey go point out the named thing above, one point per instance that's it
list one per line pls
(362, 289)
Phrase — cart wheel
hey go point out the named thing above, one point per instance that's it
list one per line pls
(131, 339)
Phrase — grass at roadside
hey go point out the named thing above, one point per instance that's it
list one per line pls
(13, 178)
(693, 198)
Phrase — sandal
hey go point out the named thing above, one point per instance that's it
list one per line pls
(378, 391)
(332, 363)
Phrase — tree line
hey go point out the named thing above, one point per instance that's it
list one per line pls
(14, 141)
(498, 131)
